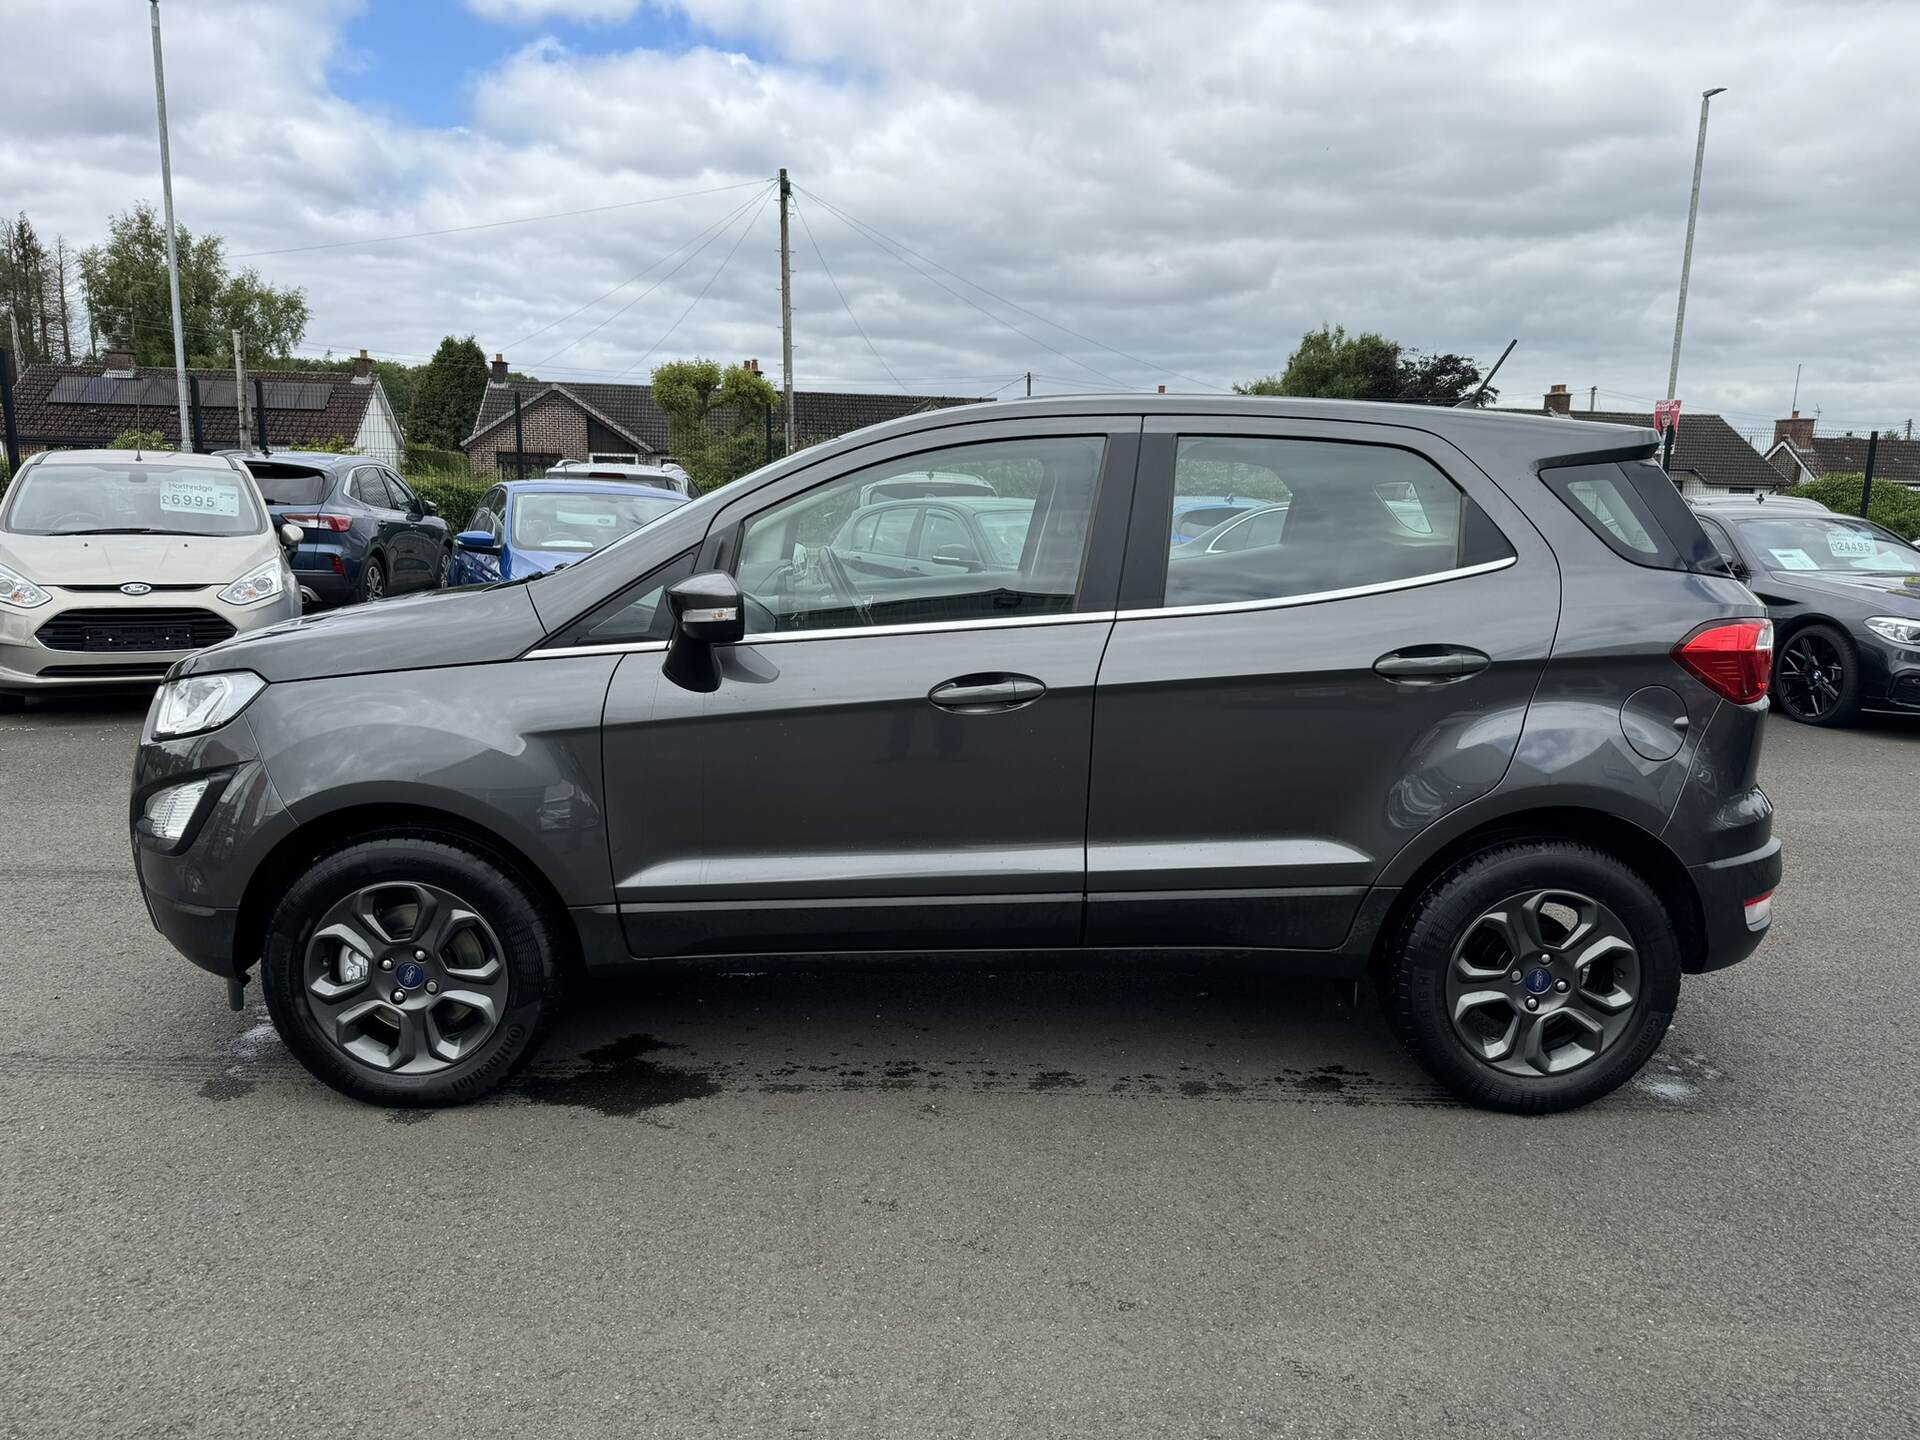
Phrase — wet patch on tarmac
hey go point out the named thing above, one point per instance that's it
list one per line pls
(620, 1079)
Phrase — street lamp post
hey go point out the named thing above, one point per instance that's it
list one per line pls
(173, 260)
(1686, 260)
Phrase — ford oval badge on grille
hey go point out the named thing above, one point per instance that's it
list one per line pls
(136, 588)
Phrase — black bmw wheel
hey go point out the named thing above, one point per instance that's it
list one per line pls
(405, 970)
(1817, 677)
(1534, 977)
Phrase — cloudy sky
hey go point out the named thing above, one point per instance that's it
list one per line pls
(1108, 195)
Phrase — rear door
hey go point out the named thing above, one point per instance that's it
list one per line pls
(1273, 722)
(387, 523)
(886, 763)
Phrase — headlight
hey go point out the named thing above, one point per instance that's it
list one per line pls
(1901, 632)
(169, 810)
(17, 590)
(202, 702)
(262, 584)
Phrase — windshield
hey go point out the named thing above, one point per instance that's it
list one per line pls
(1817, 543)
(132, 498)
(581, 521)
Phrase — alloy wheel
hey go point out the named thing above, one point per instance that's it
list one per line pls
(1812, 674)
(1543, 983)
(405, 977)
(375, 584)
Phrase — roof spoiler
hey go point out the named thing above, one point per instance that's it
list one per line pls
(1644, 446)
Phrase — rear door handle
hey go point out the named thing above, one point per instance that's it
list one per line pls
(1430, 664)
(986, 694)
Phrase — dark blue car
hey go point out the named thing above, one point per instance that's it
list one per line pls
(366, 534)
(527, 527)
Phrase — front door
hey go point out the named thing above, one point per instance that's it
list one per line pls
(1275, 719)
(887, 763)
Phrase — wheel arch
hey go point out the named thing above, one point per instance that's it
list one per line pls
(298, 851)
(1641, 851)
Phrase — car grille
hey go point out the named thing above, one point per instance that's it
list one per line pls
(145, 628)
(132, 670)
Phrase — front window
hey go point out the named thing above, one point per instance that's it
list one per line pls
(582, 520)
(801, 570)
(131, 498)
(1834, 546)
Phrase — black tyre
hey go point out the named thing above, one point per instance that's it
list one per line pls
(373, 579)
(446, 567)
(1534, 977)
(1816, 676)
(405, 970)
(11, 703)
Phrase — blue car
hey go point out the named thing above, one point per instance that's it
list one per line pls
(365, 534)
(527, 527)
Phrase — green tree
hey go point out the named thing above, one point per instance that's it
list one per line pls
(124, 283)
(1332, 365)
(26, 274)
(1894, 505)
(446, 395)
(716, 418)
(139, 440)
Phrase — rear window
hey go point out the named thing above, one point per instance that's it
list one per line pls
(289, 484)
(1635, 510)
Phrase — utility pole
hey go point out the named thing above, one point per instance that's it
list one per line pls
(1029, 384)
(1686, 259)
(240, 397)
(786, 310)
(19, 355)
(1796, 391)
(1866, 481)
(173, 259)
(1593, 395)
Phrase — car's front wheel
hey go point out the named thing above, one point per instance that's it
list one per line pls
(1534, 977)
(407, 970)
(1816, 676)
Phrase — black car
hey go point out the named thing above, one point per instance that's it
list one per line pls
(366, 533)
(1450, 732)
(1844, 596)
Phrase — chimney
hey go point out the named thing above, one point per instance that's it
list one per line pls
(499, 374)
(120, 363)
(1163, 389)
(362, 369)
(752, 367)
(1799, 431)
(1559, 401)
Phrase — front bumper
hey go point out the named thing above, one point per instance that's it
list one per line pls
(90, 659)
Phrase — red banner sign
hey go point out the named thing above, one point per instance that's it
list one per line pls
(1665, 413)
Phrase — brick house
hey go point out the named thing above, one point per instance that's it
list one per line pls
(1800, 455)
(1710, 457)
(79, 406)
(568, 420)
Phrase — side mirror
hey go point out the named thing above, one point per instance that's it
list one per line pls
(427, 507)
(707, 611)
(291, 535)
(481, 541)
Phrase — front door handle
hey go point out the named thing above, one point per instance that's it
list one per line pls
(1430, 664)
(986, 694)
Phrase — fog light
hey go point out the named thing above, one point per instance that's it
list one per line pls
(168, 811)
(1760, 911)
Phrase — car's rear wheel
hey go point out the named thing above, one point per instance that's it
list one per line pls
(1534, 977)
(446, 568)
(1817, 676)
(407, 970)
(373, 579)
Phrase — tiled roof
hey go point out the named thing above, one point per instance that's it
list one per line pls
(630, 409)
(1895, 459)
(1706, 445)
(52, 404)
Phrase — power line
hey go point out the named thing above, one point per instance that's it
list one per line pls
(629, 280)
(854, 226)
(492, 224)
(745, 230)
(825, 270)
(688, 259)
(1034, 314)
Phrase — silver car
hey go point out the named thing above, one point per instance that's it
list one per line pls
(114, 564)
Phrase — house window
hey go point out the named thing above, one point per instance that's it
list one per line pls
(535, 462)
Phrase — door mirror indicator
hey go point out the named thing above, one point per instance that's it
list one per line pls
(291, 535)
(480, 541)
(708, 610)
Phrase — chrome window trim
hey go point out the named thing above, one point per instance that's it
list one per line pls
(1282, 602)
(1078, 617)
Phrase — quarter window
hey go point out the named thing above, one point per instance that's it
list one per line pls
(1325, 515)
(799, 570)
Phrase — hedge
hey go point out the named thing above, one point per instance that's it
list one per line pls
(1894, 506)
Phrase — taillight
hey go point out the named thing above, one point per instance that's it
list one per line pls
(1732, 658)
(320, 521)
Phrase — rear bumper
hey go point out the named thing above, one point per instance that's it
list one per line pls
(329, 571)
(1727, 888)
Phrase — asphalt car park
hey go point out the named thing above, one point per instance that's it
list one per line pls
(988, 1200)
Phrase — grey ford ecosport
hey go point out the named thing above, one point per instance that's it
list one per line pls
(1473, 709)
